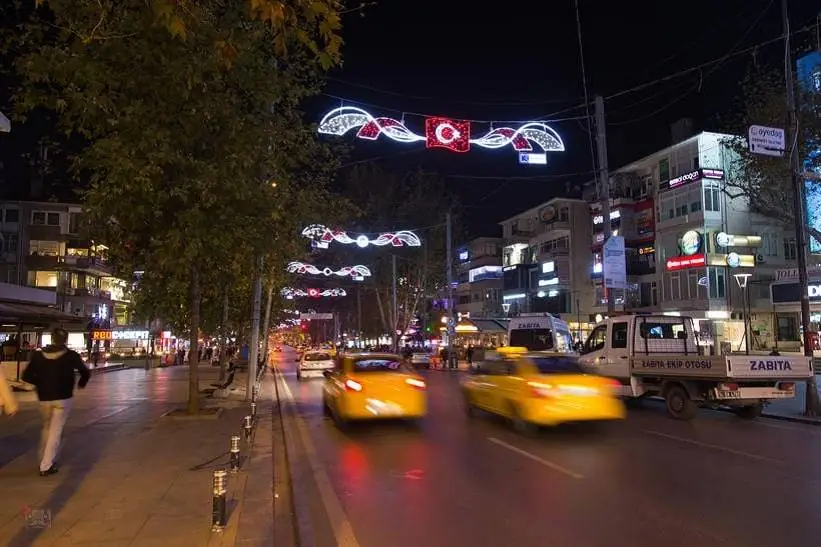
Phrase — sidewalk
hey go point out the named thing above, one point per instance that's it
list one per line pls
(128, 475)
(792, 409)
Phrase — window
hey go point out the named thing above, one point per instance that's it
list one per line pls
(9, 243)
(564, 214)
(43, 218)
(712, 199)
(43, 279)
(75, 221)
(790, 250)
(695, 207)
(597, 339)
(558, 365)
(664, 170)
(532, 339)
(12, 215)
(716, 282)
(378, 365)
(695, 163)
(619, 336)
(44, 248)
(666, 331)
(654, 293)
(675, 286)
(769, 243)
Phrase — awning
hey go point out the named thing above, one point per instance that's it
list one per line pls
(33, 314)
(487, 326)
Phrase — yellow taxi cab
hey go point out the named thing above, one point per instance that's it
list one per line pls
(540, 389)
(372, 386)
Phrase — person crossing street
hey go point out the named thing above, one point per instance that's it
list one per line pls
(51, 371)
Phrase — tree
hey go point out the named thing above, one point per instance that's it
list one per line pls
(763, 180)
(196, 140)
(416, 201)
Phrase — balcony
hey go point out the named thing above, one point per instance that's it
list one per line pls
(42, 262)
(42, 232)
(91, 264)
(87, 292)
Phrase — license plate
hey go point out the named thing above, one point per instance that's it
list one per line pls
(384, 408)
(729, 394)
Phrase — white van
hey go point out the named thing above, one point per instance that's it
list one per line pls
(539, 332)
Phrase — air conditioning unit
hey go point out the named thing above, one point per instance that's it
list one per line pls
(759, 258)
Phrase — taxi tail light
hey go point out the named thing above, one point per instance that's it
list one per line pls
(353, 385)
(538, 389)
(786, 386)
(413, 382)
(728, 387)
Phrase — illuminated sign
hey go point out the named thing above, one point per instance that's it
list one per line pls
(101, 335)
(129, 334)
(692, 176)
(727, 240)
(547, 282)
(484, 272)
(548, 267)
(647, 250)
(463, 255)
(690, 243)
(598, 219)
(684, 262)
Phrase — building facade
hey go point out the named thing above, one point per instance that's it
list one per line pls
(42, 247)
(545, 249)
(479, 278)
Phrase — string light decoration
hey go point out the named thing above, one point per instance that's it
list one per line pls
(290, 293)
(440, 132)
(322, 236)
(347, 271)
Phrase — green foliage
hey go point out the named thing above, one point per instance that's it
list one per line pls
(765, 180)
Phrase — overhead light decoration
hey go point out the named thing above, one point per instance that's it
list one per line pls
(322, 236)
(309, 269)
(290, 293)
(448, 133)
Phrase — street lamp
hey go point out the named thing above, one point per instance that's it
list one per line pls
(742, 279)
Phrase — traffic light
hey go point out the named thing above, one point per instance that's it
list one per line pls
(304, 326)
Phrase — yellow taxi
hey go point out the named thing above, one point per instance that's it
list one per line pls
(372, 386)
(540, 389)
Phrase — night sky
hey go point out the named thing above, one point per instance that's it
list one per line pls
(460, 59)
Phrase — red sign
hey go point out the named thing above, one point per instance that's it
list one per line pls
(684, 262)
(447, 133)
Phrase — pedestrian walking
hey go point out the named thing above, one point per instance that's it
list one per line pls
(51, 371)
(8, 402)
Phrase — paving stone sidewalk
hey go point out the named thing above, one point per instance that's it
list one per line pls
(128, 476)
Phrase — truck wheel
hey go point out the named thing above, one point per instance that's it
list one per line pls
(679, 404)
(749, 412)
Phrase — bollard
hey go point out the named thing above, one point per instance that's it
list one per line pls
(254, 411)
(234, 454)
(248, 426)
(219, 512)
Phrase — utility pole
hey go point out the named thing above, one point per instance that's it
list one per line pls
(604, 190)
(359, 314)
(253, 354)
(449, 258)
(811, 402)
(395, 312)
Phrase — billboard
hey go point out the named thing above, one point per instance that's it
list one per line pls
(808, 72)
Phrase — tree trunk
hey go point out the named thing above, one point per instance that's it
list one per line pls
(385, 321)
(194, 334)
(266, 323)
(223, 349)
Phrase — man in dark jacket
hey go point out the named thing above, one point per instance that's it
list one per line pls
(51, 371)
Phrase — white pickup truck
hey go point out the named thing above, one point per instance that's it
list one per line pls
(658, 355)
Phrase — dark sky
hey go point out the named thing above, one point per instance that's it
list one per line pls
(520, 61)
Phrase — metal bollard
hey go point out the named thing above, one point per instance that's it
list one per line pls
(248, 426)
(253, 411)
(219, 512)
(234, 454)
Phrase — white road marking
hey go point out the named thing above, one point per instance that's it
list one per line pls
(535, 458)
(343, 531)
(713, 446)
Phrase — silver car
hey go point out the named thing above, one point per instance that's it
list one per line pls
(313, 364)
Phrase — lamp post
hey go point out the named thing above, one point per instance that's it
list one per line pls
(742, 279)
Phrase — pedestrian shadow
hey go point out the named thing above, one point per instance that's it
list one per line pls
(15, 445)
(78, 457)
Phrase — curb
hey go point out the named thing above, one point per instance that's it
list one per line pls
(112, 368)
(794, 419)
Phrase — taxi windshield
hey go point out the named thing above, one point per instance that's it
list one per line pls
(317, 357)
(377, 365)
(559, 364)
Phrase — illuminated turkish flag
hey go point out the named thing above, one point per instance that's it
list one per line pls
(447, 133)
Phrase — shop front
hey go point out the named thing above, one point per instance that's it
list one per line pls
(785, 295)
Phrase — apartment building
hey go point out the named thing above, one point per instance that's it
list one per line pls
(479, 278)
(691, 244)
(42, 247)
(545, 250)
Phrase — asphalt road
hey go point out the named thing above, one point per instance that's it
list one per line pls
(651, 480)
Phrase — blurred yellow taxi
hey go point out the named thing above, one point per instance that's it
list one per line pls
(540, 389)
(372, 386)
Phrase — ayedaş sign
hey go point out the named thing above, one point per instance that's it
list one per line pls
(767, 141)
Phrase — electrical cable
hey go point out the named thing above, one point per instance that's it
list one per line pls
(593, 160)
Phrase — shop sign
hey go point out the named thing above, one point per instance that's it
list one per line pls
(647, 250)
(684, 262)
(129, 334)
(789, 293)
(692, 176)
(690, 243)
(101, 335)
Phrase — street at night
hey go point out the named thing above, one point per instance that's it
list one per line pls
(457, 481)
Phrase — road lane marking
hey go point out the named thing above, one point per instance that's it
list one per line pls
(341, 526)
(713, 446)
(535, 458)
